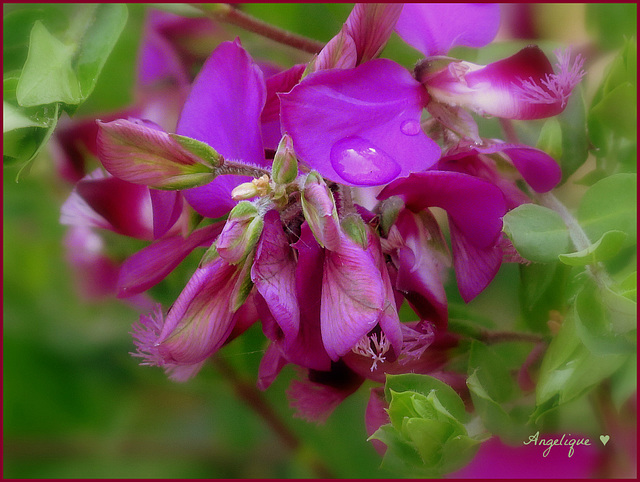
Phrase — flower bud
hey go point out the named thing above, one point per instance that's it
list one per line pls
(240, 233)
(285, 163)
(319, 209)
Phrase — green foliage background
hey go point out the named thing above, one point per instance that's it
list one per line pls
(77, 405)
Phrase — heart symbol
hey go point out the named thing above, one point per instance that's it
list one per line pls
(604, 439)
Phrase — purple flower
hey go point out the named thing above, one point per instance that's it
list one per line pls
(223, 110)
(475, 209)
(523, 86)
(199, 322)
(360, 127)
(536, 167)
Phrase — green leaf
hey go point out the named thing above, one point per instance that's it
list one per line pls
(624, 382)
(65, 68)
(15, 118)
(606, 247)
(424, 384)
(550, 139)
(610, 205)
(612, 118)
(99, 29)
(491, 372)
(569, 369)
(594, 324)
(575, 143)
(48, 75)
(537, 233)
(543, 288)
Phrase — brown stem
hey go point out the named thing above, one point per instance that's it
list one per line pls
(224, 12)
(253, 397)
(491, 337)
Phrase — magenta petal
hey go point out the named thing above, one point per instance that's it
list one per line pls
(353, 297)
(434, 28)
(360, 126)
(167, 207)
(150, 265)
(270, 118)
(223, 110)
(274, 275)
(270, 366)
(201, 319)
(474, 266)
(537, 167)
(475, 206)
(102, 201)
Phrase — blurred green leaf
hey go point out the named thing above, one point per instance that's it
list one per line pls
(550, 140)
(543, 288)
(569, 369)
(624, 382)
(606, 247)
(612, 117)
(575, 143)
(610, 205)
(612, 23)
(595, 324)
(537, 233)
(65, 69)
(48, 75)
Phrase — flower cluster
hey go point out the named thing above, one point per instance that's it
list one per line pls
(312, 188)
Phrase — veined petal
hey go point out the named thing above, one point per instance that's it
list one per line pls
(353, 297)
(422, 260)
(274, 275)
(475, 206)
(370, 26)
(102, 201)
(140, 154)
(434, 28)
(360, 126)
(339, 53)
(523, 86)
(223, 110)
(150, 265)
(201, 318)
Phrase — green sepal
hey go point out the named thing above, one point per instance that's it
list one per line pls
(201, 150)
(356, 229)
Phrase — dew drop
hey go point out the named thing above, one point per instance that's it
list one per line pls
(360, 162)
(410, 127)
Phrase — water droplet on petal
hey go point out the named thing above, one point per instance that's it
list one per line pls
(410, 127)
(361, 162)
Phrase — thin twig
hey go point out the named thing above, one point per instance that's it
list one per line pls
(224, 12)
(254, 398)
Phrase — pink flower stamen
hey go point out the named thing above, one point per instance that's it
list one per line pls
(554, 87)
(415, 342)
(380, 346)
(145, 334)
